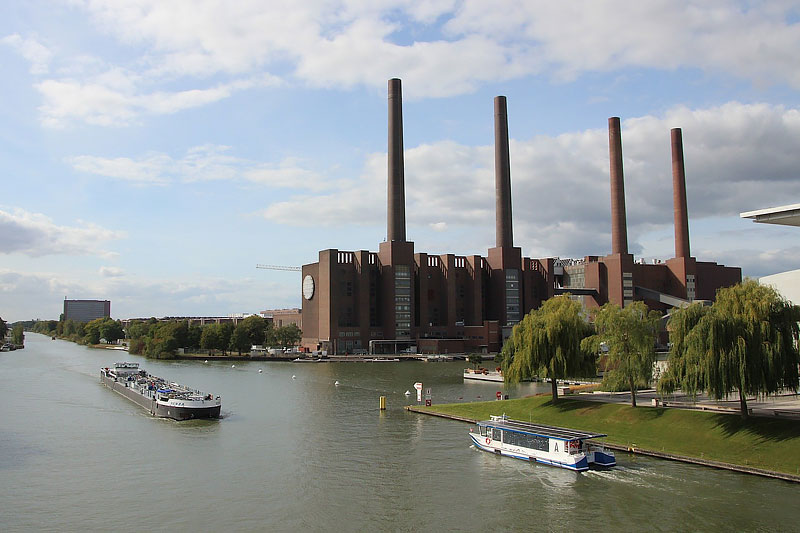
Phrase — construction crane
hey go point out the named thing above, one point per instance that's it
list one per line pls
(278, 267)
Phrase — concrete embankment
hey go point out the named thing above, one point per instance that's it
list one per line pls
(650, 453)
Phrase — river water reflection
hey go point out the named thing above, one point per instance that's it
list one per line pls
(296, 452)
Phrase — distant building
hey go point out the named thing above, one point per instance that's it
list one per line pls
(786, 283)
(398, 299)
(86, 310)
(284, 317)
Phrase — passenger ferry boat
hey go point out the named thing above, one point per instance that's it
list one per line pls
(550, 445)
(159, 396)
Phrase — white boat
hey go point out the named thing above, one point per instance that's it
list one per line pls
(483, 374)
(566, 448)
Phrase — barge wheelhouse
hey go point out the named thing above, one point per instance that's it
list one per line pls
(566, 448)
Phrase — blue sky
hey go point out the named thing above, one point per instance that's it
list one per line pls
(151, 152)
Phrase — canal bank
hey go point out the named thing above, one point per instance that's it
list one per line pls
(642, 431)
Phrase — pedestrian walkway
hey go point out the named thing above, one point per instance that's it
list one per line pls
(785, 405)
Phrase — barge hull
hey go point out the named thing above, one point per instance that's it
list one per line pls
(186, 413)
(132, 395)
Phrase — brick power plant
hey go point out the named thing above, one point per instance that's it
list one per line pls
(396, 299)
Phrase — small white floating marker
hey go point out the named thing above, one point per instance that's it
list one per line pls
(233, 366)
(408, 393)
(206, 361)
(336, 383)
(294, 377)
(259, 370)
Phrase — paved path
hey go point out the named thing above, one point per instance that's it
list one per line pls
(786, 405)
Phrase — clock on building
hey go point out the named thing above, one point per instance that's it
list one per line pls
(308, 287)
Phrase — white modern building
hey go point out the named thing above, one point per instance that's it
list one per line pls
(786, 283)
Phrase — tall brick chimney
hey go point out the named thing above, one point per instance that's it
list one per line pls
(396, 228)
(502, 175)
(680, 211)
(619, 229)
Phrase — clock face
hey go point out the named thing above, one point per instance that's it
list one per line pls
(308, 287)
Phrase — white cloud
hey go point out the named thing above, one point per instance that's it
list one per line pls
(738, 157)
(116, 98)
(438, 48)
(111, 272)
(37, 54)
(202, 163)
(35, 235)
(41, 294)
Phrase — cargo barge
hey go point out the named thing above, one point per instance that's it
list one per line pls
(160, 397)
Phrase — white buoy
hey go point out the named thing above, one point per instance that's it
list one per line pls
(259, 370)
(408, 393)
(233, 366)
(206, 361)
(294, 377)
(336, 382)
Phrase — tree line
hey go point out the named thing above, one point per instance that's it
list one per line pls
(93, 332)
(745, 343)
(162, 339)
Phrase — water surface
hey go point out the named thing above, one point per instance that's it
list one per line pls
(296, 452)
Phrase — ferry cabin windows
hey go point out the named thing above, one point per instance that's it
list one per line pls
(514, 438)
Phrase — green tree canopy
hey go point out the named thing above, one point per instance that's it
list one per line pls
(164, 339)
(629, 334)
(210, 338)
(225, 334)
(288, 335)
(137, 329)
(92, 331)
(256, 328)
(18, 335)
(240, 339)
(111, 330)
(745, 342)
(547, 343)
(3, 329)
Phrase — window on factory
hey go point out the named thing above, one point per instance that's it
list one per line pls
(402, 301)
(513, 296)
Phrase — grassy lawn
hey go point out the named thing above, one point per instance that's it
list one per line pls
(768, 443)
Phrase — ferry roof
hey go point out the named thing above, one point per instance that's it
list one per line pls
(540, 429)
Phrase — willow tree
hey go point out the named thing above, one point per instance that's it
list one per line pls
(629, 334)
(745, 343)
(547, 343)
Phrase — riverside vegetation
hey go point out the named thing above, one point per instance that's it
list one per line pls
(161, 339)
(745, 343)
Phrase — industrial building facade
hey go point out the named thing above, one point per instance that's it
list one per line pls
(398, 299)
(86, 310)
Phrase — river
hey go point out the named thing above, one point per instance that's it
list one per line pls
(296, 452)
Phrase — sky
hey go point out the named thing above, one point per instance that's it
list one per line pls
(152, 153)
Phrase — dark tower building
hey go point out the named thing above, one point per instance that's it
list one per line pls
(398, 299)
